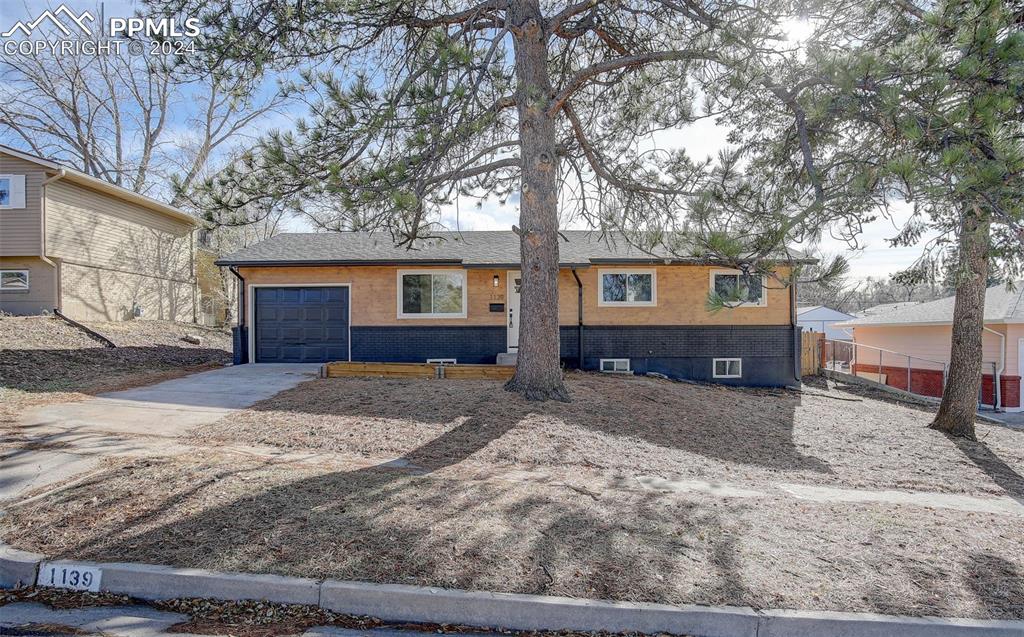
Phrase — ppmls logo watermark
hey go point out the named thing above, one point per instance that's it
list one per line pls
(63, 31)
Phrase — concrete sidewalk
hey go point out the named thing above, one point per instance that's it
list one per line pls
(66, 440)
(1011, 419)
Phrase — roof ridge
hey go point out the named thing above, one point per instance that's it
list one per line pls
(1020, 298)
(95, 183)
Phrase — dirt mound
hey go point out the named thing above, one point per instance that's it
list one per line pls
(40, 354)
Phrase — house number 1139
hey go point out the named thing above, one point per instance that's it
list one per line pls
(70, 576)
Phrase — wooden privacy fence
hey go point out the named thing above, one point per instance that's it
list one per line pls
(811, 345)
(417, 370)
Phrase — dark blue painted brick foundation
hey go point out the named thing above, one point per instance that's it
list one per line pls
(768, 352)
(687, 352)
(415, 344)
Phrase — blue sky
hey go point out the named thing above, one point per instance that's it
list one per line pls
(874, 258)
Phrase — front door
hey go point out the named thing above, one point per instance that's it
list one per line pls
(515, 281)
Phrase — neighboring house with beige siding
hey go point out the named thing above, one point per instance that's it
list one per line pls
(93, 250)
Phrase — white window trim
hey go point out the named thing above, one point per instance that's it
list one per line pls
(600, 287)
(764, 288)
(714, 368)
(432, 315)
(28, 280)
(16, 193)
(601, 362)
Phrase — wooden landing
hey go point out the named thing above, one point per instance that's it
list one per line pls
(417, 370)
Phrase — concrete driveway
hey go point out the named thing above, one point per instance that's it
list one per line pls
(66, 440)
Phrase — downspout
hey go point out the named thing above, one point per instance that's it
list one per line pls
(195, 276)
(57, 305)
(997, 391)
(797, 344)
(241, 354)
(240, 318)
(579, 318)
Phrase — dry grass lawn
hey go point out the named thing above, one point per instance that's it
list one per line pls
(637, 426)
(459, 484)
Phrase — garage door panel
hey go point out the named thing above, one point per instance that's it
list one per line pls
(315, 353)
(312, 295)
(268, 335)
(302, 324)
(267, 353)
(290, 353)
(314, 334)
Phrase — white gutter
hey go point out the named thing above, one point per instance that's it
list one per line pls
(61, 173)
(1002, 366)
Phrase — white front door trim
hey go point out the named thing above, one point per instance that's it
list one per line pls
(512, 310)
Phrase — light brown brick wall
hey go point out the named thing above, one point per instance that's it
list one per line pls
(682, 293)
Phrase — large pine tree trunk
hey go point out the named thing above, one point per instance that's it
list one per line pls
(960, 396)
(538, 372)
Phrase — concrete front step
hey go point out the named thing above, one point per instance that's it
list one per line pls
(507, 358)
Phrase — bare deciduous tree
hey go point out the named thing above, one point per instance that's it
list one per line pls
(118, 117)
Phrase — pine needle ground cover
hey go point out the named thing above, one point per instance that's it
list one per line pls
(463, 485)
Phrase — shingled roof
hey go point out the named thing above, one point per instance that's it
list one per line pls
(482, 248)
(1001, 306)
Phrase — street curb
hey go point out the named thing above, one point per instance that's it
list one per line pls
(18, 568)
(398, 602)
(405, 603)
(152, 582)
(800, 623)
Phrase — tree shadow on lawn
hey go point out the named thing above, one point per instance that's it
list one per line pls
(744, 426)
(390, 525)
(993, 466)
(996, 582)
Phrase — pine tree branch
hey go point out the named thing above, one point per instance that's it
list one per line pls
(595, 161)
(624, 62)
(555, 24)
(467, 16)
(465, 173)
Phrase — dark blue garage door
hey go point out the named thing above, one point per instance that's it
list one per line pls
(301, 325)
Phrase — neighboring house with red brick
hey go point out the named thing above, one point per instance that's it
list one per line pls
(923, 332)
